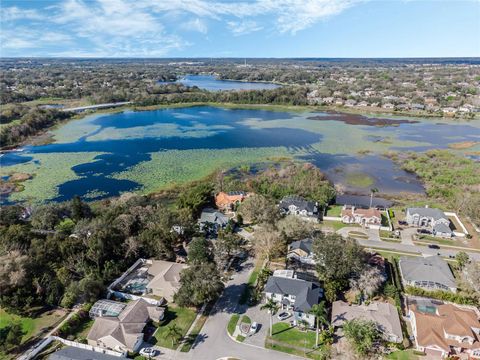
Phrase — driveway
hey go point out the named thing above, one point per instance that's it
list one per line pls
(407, 236)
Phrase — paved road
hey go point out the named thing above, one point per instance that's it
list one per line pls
(406, 245)
(420, 250)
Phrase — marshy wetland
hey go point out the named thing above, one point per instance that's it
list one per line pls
(104, 155)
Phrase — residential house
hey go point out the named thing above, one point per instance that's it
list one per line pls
(76, 353)
(350, 103)
(212, 220)
(429, 273)
(124, 332)
(388, 106)
(362, 104)
(365, 217)
(431, 218)
(449, 111)
(301, 251)
(418, 107)
(385, 315)
(164, 278)
(229, 200)
(294, 295)
(296, 205)
(446, 330)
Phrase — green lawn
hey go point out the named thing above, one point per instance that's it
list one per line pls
(337, 225)
(31, 326)
(291, 335)
(232, 324)
(194, 333)
(334, 210)
(182, 317)
(246, 320)
(403, 355)
(432, 239)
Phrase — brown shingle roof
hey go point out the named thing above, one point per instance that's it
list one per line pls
(450, 319)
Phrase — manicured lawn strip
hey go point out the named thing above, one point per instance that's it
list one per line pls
(250, 284)
(311, 354)
(334, 210)
(232, 324)
(283, 332)
(240, 338)
(245, 320)
(182, 317)
(194, 333)
(337, 225)
(428, 239)
(404, 355)
(358, 234)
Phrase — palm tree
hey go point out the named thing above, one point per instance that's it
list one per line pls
(320, 313)
(372, 191)
(173, 332)
(272, 307)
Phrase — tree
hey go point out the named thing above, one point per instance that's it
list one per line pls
(272, 308)
(195, 198)
(336, 259)
(368, 281)
(258, 209)
(226, 245)
(199, 284)
(362, 335)
(320, 313)
(199, 251)
(174, 333)
(372, 191)
(471, 274)
(295, 228)
(11, 335)
(268, 242)
(462, 259)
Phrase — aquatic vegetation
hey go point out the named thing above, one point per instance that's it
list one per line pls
(359, 179)
(49, 170)
(178, 166)
(160, 130)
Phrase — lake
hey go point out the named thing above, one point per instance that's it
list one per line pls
(211, 83)
(104, 155)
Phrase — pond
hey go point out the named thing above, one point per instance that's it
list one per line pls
(104, 155)
(211, 83)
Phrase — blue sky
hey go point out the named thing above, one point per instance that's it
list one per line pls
(246, 28)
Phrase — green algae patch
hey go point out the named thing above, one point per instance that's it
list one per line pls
(179, 166)
(359, 179)
(49, 171)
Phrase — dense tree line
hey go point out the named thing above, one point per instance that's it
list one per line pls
(30, 123)
(67, 252)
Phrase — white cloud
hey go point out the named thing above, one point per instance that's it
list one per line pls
(149, 28)
(14, 13)
(243, 27)
(197, 25)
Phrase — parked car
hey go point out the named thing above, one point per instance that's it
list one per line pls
(253, 328)
(423, 231)
(402, 223)
(433, 246)
(148, 352)
(283, 315)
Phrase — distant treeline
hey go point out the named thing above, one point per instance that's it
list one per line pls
(30, 123)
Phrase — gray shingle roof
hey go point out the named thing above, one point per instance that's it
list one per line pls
(299, 202)
(305, 245)
(436, 214)
(306, 293)
(442, 228)
(73, 353)
(213, 216)
(432, 268)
